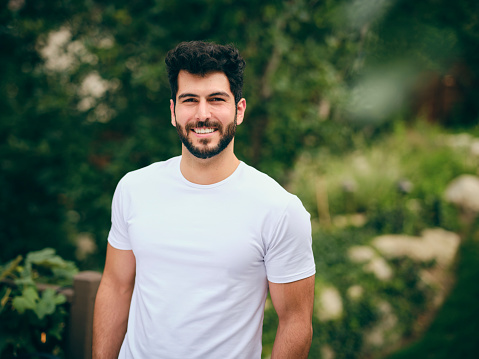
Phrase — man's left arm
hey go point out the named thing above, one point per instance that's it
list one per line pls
(293, 303)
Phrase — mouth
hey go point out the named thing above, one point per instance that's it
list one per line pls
(203, 130)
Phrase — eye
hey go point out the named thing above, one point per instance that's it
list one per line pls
(191, 99)
(217, 99)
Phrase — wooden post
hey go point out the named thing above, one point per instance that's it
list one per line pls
(323, 202)
(85, 286)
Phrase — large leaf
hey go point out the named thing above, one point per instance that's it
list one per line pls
(26, 281)
(44, 306)
(40, 255)
(28, 300)
(46, 257)
(48, 302)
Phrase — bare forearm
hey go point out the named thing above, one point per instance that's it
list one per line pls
(293, 340)
(110, 321)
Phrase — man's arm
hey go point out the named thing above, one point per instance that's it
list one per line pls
(293, 303)
(112, 303)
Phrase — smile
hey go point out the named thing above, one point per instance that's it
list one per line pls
(203, 130)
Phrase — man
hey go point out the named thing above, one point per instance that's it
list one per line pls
(197, 240)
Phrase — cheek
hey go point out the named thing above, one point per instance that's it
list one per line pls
(179, 116)
(184, 113)
(226, 115)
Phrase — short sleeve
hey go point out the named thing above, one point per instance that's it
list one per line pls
(118, 236)
(289, 256)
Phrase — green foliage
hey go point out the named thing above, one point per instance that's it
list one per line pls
(64, 146)
(398, 181)
(406, 294)
(84, 99)
(33, 321)
(452, 332)
(84, 93)
(397, 184)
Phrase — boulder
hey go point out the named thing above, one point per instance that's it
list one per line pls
(434, 244)
(329, 304)
(464, 193)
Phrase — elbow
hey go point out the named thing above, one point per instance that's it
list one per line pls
(299, 331)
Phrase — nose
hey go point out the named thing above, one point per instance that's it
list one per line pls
(203, 110)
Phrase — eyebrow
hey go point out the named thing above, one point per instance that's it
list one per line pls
(219, 93)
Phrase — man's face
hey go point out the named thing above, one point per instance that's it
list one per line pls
(205, 115)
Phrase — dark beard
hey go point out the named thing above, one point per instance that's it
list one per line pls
(205, 152)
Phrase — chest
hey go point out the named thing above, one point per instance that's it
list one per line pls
(189, 232)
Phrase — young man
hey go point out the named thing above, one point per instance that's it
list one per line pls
(197, 240)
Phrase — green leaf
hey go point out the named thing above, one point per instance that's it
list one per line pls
(66, 272)
(48, 302)
(60, 299)
(44, 307)
(27, 281)
(39, 256)
(28, 300)
(47, 258)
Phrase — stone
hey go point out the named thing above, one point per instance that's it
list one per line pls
(355, 292)
(464, 192)
(434, 244)
(380, 268)
(361, 254)
(329, 304)
(327, 352)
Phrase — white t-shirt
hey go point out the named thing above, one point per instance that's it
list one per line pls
(204, 255)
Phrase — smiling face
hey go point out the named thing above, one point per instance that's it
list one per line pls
(205, 114)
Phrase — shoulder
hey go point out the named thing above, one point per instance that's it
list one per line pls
(150, 173)
(265, 189)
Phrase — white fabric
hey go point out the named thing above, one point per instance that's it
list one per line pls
(204, 254)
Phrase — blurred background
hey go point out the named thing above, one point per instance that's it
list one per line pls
(366, 109)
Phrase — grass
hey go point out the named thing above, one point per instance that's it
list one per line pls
(454, 332)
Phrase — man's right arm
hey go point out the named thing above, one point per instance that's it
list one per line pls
(112, 303)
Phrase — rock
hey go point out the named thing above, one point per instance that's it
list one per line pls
(373, 262)
(458, 141)
(380, 268)
(327, 352)
(329, 304)
(355, 292)
(464, 192)
(361, 254)
(434, 244)
(475, 148)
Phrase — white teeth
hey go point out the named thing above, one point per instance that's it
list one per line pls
(203, 130)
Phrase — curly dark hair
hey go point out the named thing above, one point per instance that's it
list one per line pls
(201, 58)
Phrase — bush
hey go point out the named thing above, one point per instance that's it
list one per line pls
(33, 321)
(395, 186)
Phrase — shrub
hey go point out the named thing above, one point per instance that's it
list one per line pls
(33, 320)
(396, 185)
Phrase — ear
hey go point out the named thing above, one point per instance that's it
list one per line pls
(172, 110)
(240, 110)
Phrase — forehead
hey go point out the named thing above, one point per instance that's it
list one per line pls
(203, 85)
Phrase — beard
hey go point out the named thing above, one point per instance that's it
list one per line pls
(203, 151)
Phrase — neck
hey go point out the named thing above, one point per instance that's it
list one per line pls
(209, 170)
